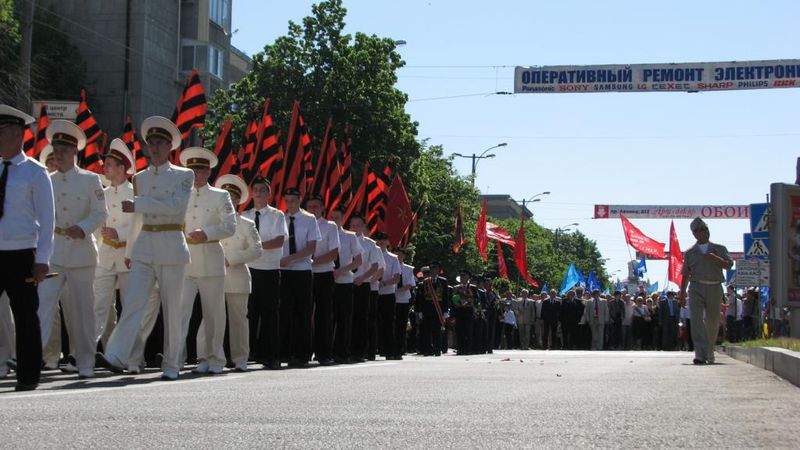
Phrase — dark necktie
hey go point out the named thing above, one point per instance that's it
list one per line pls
(3, 181)
(292, 242)
(596, 308)
(671, 311)
(258, 220)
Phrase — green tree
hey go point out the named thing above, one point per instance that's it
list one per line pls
(349, 79)
(9, 51)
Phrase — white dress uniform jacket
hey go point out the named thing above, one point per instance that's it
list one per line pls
(80, 201)
(241, 248)
(112, 253)
(168, 189)
(210, 209)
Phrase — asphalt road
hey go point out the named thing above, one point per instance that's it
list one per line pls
(510, 399)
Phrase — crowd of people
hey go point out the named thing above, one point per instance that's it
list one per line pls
(158, 269)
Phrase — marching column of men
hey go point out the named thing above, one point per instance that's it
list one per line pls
(284, 287)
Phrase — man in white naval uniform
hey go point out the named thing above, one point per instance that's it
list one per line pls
(112, 272)
(80, 210)
(241, 248)
(157, 250)
(209, 218)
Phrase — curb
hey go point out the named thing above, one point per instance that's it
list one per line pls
(783, 363)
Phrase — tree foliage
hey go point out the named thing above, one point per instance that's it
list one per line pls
(334, 75)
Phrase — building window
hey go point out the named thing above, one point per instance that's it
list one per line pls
(216, 61)
(218, 12)
(194, 56)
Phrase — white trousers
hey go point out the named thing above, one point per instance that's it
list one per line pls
(141, 280)
(238, 329)
(212, 300)
(105, 311)
(8, 337)
(78, 309)
(136, 358)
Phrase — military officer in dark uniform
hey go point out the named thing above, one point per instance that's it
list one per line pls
(432, 303)
(479, 317)
(465, 296)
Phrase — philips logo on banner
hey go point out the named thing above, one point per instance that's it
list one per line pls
(683, 77)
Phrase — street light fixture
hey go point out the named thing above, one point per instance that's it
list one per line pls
(534, 199)
(476, 158)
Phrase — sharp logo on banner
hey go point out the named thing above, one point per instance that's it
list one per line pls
(684, 77)
(672, 211)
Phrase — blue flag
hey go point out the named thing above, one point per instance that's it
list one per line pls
(581, 279)
(570, 279)
(641, 268)
(764, 296)
(607, 292)
(653, 288)
(593, 283)
(729, 274)
(618, 287)
(545, 289)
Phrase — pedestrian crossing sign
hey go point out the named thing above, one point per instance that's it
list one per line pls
(755, 248)
(759, 220)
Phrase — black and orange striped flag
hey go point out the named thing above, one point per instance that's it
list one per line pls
(41, 134)
(223, 148)
(28, 140)
(460, 238)
(91, 157)
(358, 203)
(321, 177)
(247, 153)
(346, 162)
(133, 143)
(297, 146)
(412, 226)
(378, 182)
(190, 111)
(268, 154)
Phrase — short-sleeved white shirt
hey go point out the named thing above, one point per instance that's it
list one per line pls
(271, 225)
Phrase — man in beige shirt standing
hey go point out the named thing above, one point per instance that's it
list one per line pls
(702, 267)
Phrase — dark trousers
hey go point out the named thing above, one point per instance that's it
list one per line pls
(297, 303)
(568, 330)
(479, 336)
(342, 321)
(372, 325)
(614, 333)
(323, 315)
(194, 326)
(400, 325)
(430, 331)
(464, 326)
(549, 338)
(669, 333)
(689, 334)
(733, 328)
(386, 342)
(360, 337)
(508, 330)
(263, 314)
(491, 326)
(15, 267)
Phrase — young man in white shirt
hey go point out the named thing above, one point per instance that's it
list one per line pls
(325, 255)
(27, 215)
(297, 280)
(349, 260)
(386, 299)
(263, 307)
(402, 301)
(363, 298)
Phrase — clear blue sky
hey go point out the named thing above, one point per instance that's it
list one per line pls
(632, 148)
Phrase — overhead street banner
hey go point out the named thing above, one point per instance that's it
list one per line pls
(672, 211)
(674, 77)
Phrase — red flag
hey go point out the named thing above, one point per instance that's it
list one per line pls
(460, 238)
(675, 268)
(480, 232)
(496, 233)
(398, 211)
(190, 111)
(412, 226)
(501, 261)
(134, 145)
(41, 134)
(91, 157)
(521, 256)
(639, 241)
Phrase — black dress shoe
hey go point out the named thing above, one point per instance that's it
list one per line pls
(328, 362)
(698, 362)
(273, 365)
(12, 364)
(298, 364)
(101, 361)
(25, 387)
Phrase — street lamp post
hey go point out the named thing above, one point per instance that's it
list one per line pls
(534, 199)
(476, 158)
(558, 234)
